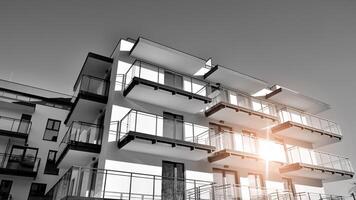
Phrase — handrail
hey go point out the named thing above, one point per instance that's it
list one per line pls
(310, 120)
(244, 100)
(159, 77)
(15, 125)
(92, 84)
(190, 132)
(317, 158)
(25, 162)
(74, 133)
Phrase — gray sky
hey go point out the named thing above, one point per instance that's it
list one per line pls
(306, 45)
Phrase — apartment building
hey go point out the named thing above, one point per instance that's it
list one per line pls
(153, 122)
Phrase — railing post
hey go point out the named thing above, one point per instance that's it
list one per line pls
(105, 178)
(193, 133)
(136, 121)
(154, 187)
(213, 192)
(353, 196)
(156, 128)
(130, 186)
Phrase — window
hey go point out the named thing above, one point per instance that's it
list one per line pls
(37, 191)
(52, 129)
(5, 188)
(50, 167)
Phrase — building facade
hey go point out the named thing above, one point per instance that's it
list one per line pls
(153, 122)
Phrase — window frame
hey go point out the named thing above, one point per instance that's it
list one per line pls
(34, 183)
(54, 121)
(48, 170)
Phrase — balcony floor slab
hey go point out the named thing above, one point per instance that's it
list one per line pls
(305, 133)
(315, 172)
(168, 147)
(238, 115)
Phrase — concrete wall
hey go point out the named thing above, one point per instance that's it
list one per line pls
(21, 185)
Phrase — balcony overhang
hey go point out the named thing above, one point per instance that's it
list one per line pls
(163, 146)
(305, 133)
(296, 100)
(235, 80)
(22, 106)
(18, 172)
(94, 65)
(240, 115)
(162, 55)
(243, 160)
(166, 96)
(77, 154)
(315, 172)
(86, 107)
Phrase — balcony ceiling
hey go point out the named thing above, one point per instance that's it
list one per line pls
(241, 116)
(167, 57)
(94, 65)
(315, 172)
(235, 80)
(294, 99)
(164, 149)
(244, 160)
(166, 99)
(84, 110)
(305, 134)
(76, 158)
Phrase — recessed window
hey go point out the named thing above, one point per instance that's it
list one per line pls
(52, 130)
(50, 167)
(37, 191)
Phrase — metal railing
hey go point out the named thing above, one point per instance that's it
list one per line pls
(15, 125)
(93, 85)
(306, 119)
(157, 74)
(81, 132)
(247, 143)
(111, 184)
(317, 158)
(244, 101)
(152, 124)
(27, 163)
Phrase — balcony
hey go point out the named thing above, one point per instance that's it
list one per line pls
(79, 145)
(91, 96)
(155, 85)
(317, 165)
(162, 55)
(234, 79)
(14, 128)
(246, 151)
(238, 108)
(306, 127)
(20, 163)
(150, 133)
(86, 183)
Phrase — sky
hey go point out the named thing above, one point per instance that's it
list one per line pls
(306, 45)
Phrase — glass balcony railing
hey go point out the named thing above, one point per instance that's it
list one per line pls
(15, 125)
(20, 162)
(310, 120)
(246, 143)
(244, 101)
(155, 125)
(317, 158)
(110, 184)
(93, 85)
(81, 132)
(162, 76)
